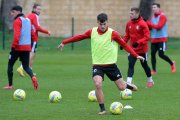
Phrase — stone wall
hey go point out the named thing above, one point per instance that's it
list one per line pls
(56, 15)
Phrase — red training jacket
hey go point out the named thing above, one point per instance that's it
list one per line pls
(115, 37)
(137, 31)
(36, 26)
(17, 25)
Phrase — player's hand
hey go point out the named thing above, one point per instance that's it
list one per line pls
(49, 33)
(135, 44)
(60, 46)
(141, 58)
(121, 48)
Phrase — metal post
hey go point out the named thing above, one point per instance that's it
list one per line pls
(72, 45)
(3, 33)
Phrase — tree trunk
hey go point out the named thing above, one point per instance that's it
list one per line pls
(6, 6)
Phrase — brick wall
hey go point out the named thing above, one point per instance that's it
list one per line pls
(56, 15)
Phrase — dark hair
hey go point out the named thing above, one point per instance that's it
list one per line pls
(102, 17)
(137, 10)
(35, 5)
(17, 8)
(157, 4)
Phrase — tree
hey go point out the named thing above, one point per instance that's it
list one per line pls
(6, 6)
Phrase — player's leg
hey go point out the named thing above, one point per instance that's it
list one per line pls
(24, 58)
(147, 70)
(32, 53)
(98, 76)
(154, 49)
(122, 85)
(32, 57)
(132, 61)
(115, 75)
(162, 48)
(13, 56)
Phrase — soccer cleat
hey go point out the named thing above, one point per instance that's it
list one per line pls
(34, 82)
(102, 112)
(149, 84)
(132, 87)
(8, 87)
(153, 72)
(173, 67)
(20, 71)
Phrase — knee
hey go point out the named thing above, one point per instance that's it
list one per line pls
(131, 66)
(98, 84)
(10, 69)
(25, 67)
(153, 54)
(161, 54)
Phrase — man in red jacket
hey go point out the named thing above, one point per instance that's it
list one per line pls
(34, 18)
(21, 45)
(138, 33)
(104, 47)
(159, 37)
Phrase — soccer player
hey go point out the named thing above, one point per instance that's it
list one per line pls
(138, 33)
(21, 45)
(159, 37)
(36, 28)
(104, 47)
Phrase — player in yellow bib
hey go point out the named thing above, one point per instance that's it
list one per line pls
(104, 48)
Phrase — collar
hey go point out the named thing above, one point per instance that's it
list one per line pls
(157, 14)
(19, 15)
(35, 13)
(137, 19)
(100, 32)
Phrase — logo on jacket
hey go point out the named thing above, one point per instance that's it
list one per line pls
(137, 27)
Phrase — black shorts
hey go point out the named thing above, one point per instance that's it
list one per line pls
(158, 46)
(112, 72)
(33, 47)
(22, 55)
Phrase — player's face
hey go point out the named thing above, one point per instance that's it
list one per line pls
(14, 13)
(133, 15)
(155, 9)
(103, 26)
(37, 10)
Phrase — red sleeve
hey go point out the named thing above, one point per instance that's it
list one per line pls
(126, 36)
(161, 23)
(35, 22)
(146, 34)
(77, 38)
(17, 31)
(116, 37)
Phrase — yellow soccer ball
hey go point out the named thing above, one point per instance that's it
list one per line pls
(92, 96)
(126, 94)
(19, 94)
(55, 97)
(116, 108)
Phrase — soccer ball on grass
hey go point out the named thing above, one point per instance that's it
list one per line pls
(19, 94)
(92, 96)
(55, 97)
(126, 94)
(116, 108)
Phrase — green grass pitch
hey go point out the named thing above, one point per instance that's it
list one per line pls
(70, 73)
